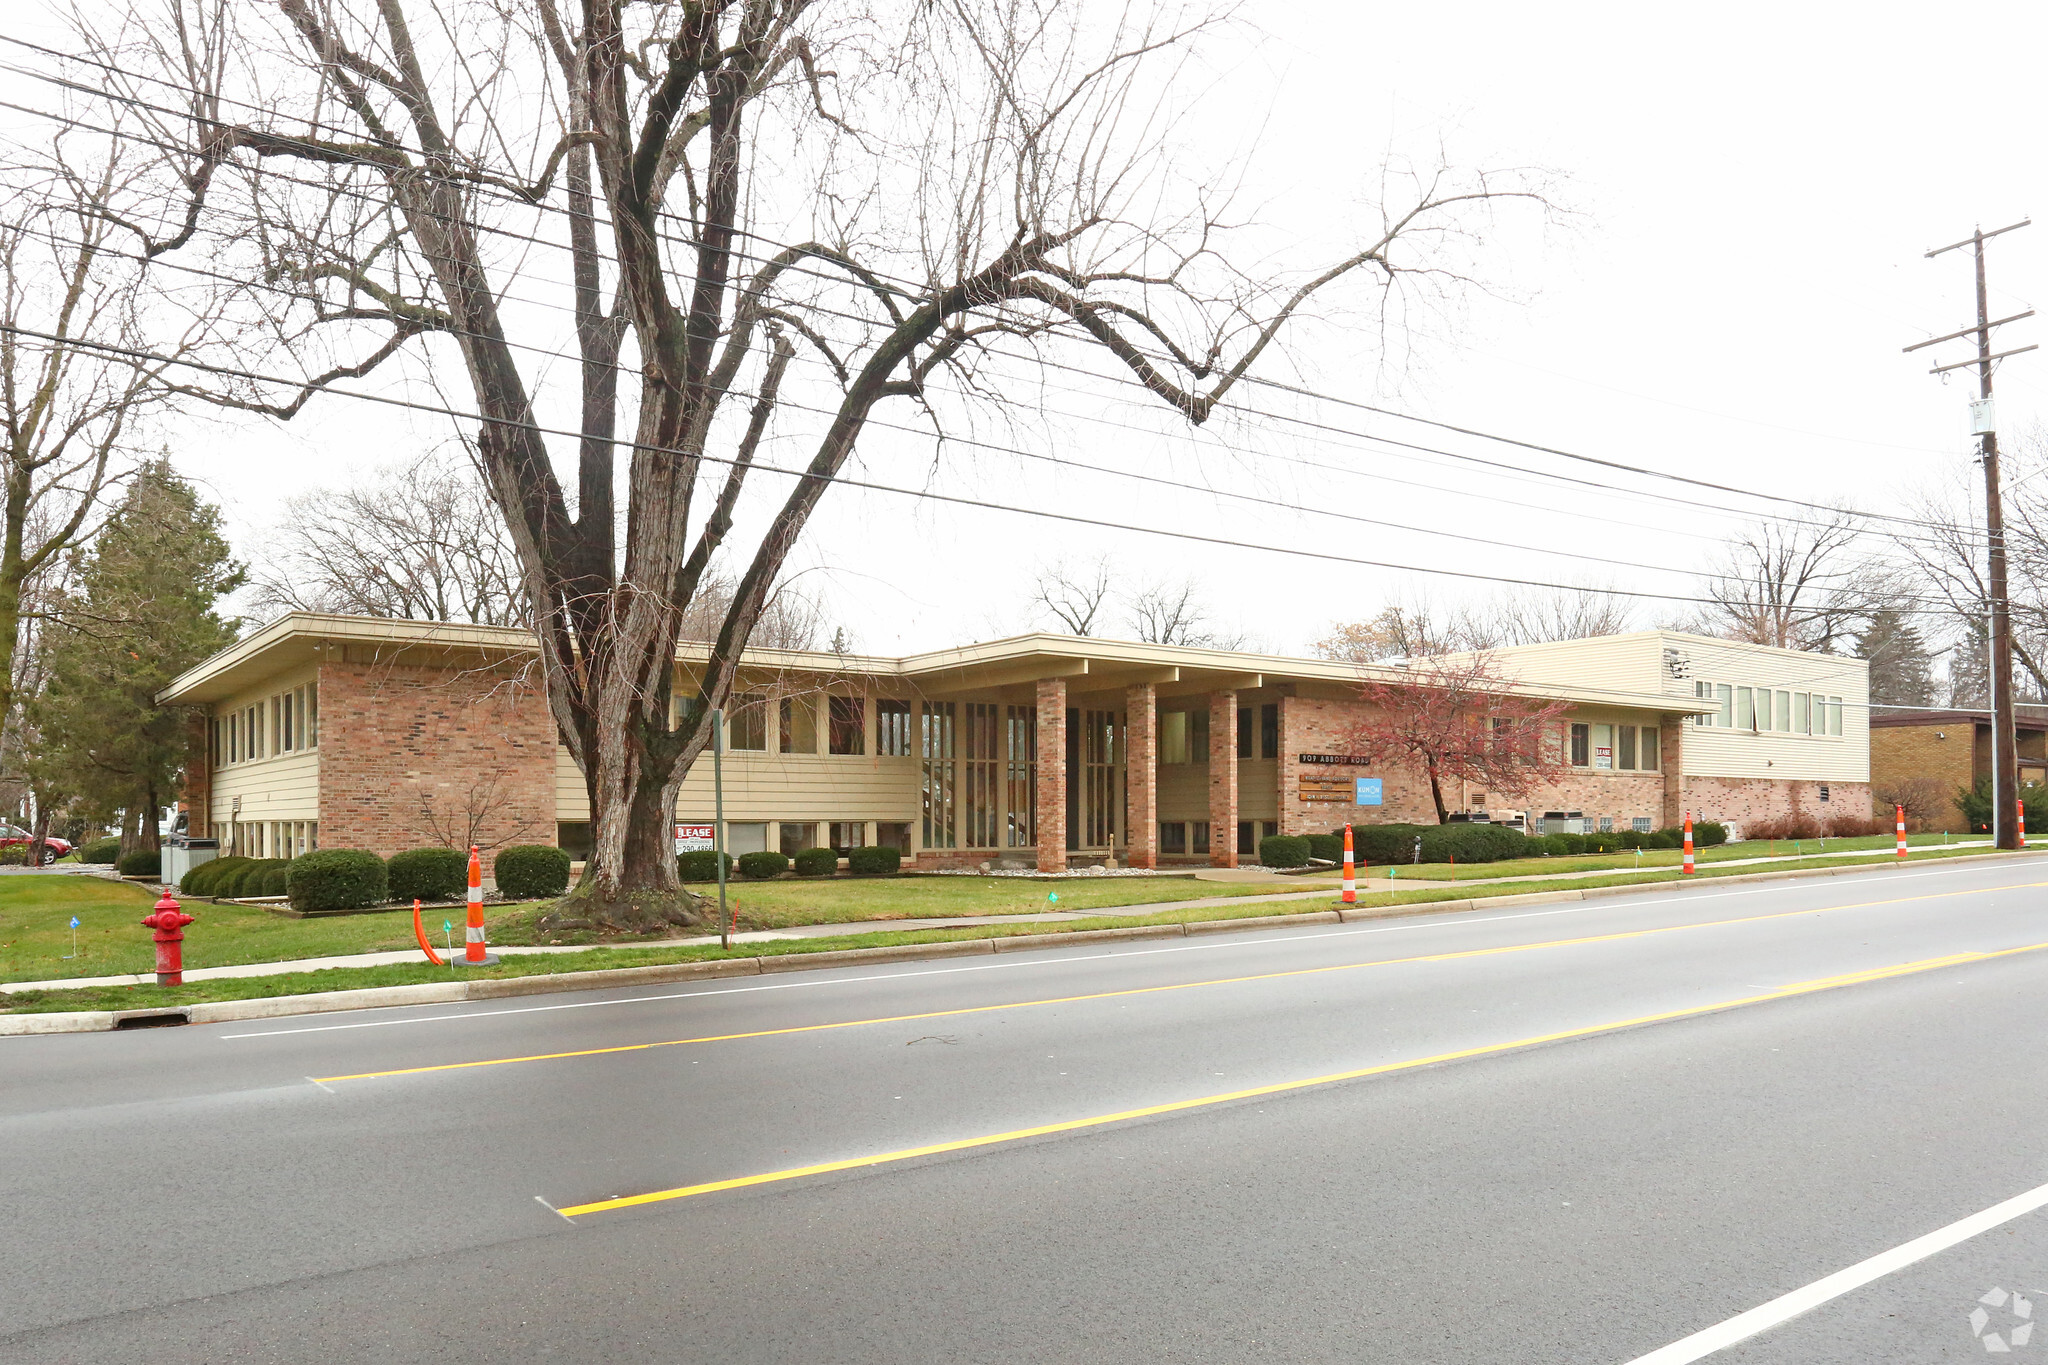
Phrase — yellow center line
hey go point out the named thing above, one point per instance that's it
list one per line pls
(1279, 1088)
(1157, 990)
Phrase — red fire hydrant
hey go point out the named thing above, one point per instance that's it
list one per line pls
(169, 922)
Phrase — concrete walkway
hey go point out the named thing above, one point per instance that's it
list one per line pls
(1321, 887)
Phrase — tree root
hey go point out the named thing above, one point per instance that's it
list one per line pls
(638, 913)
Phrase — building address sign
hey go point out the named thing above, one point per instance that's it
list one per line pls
(1337, 760)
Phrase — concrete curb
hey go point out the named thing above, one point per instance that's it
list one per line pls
(457, 992)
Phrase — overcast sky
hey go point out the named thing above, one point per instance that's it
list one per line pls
(1753, 188)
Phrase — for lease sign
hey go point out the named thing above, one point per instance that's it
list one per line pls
(694, 839)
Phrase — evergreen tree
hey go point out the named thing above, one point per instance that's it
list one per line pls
(1969, 667)
(1901, 666)
(142, 609)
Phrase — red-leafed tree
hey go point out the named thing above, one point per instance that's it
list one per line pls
(1458, 719)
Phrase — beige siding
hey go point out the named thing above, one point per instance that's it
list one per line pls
(276, 787)
(1616, 663)
(1712, 751)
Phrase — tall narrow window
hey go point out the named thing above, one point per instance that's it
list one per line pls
(1703, 691)
(1834, 715)
(1269, 730)
(1801, 714)
(1745, 709)
(798, 731)
(981, 797)
(1244, 732)
(312, 723)
(1650, 747)
(1724, 695)
(937, 781)
(287, 737)
(1198, 736)
(1603, 746)
(846, 726)
(1100, 753)
(1628, 747)
(1021, 745)
(746, 723)
(1763, 709)
(892, 729)
(1582, 746)
(1781, 711)
(1173, 737)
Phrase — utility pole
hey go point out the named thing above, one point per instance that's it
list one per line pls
(2005, 777)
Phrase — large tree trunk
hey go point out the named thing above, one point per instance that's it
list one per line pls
(1436, 794)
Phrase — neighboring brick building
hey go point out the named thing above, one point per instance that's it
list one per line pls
(379, 734)
(1945, 752)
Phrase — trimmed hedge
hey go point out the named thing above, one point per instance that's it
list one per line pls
(427, 874)
(1468, 843)
(201, 880)
(141, 863)
(1708, 833)
(337, 879)
(767, 863)
(13, 855)
(100, 851)
(816, 862)
(530, 871)
(701, 865)
(1328, 847)
(271, 880)
(874, 859)
(1284, 850)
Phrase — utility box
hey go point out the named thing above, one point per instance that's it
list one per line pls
(1564, 822)
(180, 856)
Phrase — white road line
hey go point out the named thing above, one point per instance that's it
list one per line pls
(1788, 1306)
(1418, 922)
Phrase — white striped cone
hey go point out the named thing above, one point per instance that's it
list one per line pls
(1688, 871)
(2023, 821)
(1350, 877)
(473, 952)
(1899, 815)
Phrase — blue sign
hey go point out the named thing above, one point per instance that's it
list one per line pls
(1369, 791)
(74, 921)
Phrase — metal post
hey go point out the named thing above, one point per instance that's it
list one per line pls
(718, 819)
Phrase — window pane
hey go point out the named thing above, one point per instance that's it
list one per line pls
(1173, 837)
(846, 836)
(312, 714)
(1244, 732)
(1198, 736)
(1582, 746)
(1800, 713)
(847, 726)
(892, 733)
(893, 834)
(746, 724)
(1173, 737)
(1021, 773)
(795, 838)
(746, 837)
(798, 731)
(1603, 746)
(1628, 746)
(1834, 715)
(1269, 730)
(1198, 836)
(1650, 745)
(1781, 711)
(1745, 709)
(1725, 695)
(1702, 690)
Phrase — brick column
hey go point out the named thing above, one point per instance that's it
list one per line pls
(1671, 759)
(1141, 774)
(1051, 816)
(1223, 779)
(1288, 770)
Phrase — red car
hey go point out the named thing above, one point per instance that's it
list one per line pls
(53, 847)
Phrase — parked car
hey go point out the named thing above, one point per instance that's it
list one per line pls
(53, 847)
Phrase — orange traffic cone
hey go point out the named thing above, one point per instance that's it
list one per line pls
(473, 954)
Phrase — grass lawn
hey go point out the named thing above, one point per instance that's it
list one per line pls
(1661, 857)
(35, 914)
(356, 978)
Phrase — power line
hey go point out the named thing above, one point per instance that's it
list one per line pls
(1297, 390)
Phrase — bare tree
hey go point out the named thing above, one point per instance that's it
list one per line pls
(894, 190)
(1074, 596)
(1791, 584)
(1412, 630)
(421, 541)
(482, 816)
(792, 618)
(1529, 616)
(1167, 613)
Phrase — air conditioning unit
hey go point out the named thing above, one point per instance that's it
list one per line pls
(1565, 822)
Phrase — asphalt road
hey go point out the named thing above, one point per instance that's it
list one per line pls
(1572, 1133)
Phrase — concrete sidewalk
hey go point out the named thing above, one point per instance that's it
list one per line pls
(1321, 888)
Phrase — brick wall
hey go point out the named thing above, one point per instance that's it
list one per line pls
(1734, 800)
(1141, 767)
(395, 741)
(1903, 752)
(1223, 779)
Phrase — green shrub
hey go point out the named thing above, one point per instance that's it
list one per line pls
(702, 865)
(531, 871)
(874, 859)
(1708, 833)
(767, 863)
(141, 863)
(337, 879)
(1630, 838)
(1284, 850)
(1384, 843)
(1548, 845)
(201, 880)
(228, 885)
(1328, 847)
(100, 851)
(1572, 844)
(13, 855)
(273, 880)
(428, 874)
(816, 862)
